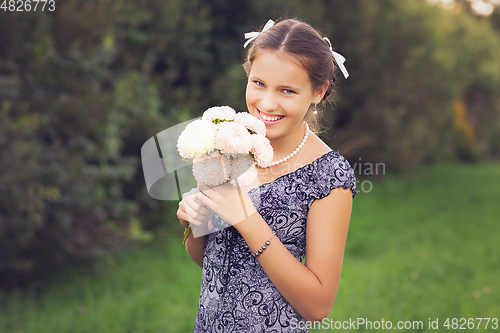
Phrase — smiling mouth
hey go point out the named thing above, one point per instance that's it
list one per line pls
(269, 118)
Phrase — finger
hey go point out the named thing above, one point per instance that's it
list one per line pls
(182, 205)
(182, 209)
(192, 221)
(188, 197)
(190, 200)
(183, 218)
(196, 205)
(191, 195)
(196, 211)
(184, 223)
(209, 192)
(196, 196)
(206, 201)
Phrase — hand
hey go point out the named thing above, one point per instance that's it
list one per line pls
(192, 210)
(231, 203)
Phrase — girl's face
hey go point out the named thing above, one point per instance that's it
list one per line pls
(279, 92)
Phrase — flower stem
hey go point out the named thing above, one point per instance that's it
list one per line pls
(187, 232)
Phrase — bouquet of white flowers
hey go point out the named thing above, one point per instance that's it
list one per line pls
(225, 146)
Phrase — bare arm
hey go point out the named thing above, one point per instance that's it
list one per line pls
(309, 288)
(195, 248)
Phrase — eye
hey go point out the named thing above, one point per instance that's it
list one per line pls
(259, 84)
(288, 91)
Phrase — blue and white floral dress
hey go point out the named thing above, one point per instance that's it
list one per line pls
(236, 293)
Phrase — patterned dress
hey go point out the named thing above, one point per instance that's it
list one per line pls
(236, 294)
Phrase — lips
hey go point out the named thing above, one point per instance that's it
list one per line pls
(269, 118)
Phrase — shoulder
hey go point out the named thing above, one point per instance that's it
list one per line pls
(331, 170)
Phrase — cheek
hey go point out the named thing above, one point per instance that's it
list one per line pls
(250, 95)
(247, 92)
(294, 107)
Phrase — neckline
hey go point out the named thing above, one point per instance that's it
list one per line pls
(302, 167)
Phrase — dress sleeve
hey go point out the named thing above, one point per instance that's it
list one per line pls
(333, 172)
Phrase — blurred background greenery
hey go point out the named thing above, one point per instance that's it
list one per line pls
(83, 87)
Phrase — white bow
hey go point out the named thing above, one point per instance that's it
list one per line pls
(252, 35)
(339, 59)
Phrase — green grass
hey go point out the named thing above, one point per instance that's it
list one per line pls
(153, 288)
(424, 246)
(420, 246)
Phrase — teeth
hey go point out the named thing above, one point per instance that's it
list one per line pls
(271, 118)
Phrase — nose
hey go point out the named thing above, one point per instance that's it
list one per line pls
(268, 102)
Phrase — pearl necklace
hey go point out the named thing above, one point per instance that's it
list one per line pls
(293, 153)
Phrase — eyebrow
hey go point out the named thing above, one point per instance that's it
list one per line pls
(290, 88)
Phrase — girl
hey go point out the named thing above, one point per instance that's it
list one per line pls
(253, 277)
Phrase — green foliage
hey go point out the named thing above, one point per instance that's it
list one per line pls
(50, 210)
(409, 62)
(63, 172)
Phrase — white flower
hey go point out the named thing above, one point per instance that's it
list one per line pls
(219, 114)
(212, 170)
(197, 139)
(262, 150)
(250, 122)
(221, 147)
(233, 138)
(243, 168)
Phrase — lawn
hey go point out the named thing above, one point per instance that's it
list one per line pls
(421, 247)
(424, 246)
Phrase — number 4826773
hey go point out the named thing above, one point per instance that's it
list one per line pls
(28, 5)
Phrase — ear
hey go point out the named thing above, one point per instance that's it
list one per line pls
(318, 96)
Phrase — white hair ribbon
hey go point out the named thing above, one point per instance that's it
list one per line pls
(339, 59)
(252, 35)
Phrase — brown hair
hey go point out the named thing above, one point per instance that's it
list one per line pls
(306, 48)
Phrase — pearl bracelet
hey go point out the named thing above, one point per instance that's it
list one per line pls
(256, 254)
